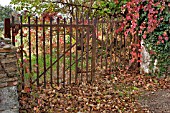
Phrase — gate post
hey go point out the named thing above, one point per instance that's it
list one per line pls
(7, 27)
(8, 79)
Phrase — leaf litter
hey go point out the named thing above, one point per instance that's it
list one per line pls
(107, 94)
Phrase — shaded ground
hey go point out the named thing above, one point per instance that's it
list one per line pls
(107, 94)
(156, 101)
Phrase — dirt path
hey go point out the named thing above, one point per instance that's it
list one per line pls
(156, 102)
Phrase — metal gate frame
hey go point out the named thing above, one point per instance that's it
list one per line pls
(13, 28)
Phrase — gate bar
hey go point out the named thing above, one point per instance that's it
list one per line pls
(13, 34)
(7, 26)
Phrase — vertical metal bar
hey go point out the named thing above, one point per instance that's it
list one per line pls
(102, 44)
(29, 44)
(93, 60)
(111, 42)
(107, 38)
(37, 57)
(13, 35)
(44, 52)
(64, 57)
(125, 52)
(71, 30)
(22, 61)
(136, 42)
(87, 50)
(120, 51)
(130, 45)
(97, 32)
(51, 54)
(72, 12)
(76, 74)
(58, 53)
(77, 13)
(124, 42)
(82, 12)
(139, 52)
(82, 49)
(116, 43)
(7, 26)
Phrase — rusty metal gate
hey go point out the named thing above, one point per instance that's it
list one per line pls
(54, 51)
(61, 51)
(113, 49)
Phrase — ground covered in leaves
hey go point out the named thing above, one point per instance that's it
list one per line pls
(107, 94)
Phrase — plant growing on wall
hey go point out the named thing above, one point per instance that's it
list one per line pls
(147, 20)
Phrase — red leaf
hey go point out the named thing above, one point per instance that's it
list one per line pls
(132, 60)
(144, 36)
(160, 37)
(27, 89)
(139, 61)
(166, 38)
(128, 17)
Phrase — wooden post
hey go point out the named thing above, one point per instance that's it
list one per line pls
(7, 26)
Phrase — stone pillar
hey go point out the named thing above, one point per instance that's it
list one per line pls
(8, 81)
(145, 60)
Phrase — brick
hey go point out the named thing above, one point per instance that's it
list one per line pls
(3, 54)
(7, 50)
(2, 85)
(3, 80)
(14, 83)
(3, 75)
(2, 71)
(11, 55)
(11, 69)
(6, 60)
(12, 64)
(13, 74)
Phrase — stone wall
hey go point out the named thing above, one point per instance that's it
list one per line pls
(8, 81)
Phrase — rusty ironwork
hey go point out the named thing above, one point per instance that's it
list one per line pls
(61, 51)
(44, 53)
